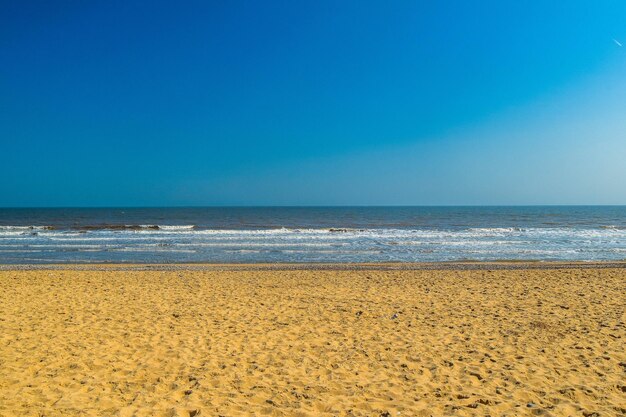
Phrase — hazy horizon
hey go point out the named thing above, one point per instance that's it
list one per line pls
(313, 206)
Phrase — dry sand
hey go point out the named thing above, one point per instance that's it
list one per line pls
(313, 342)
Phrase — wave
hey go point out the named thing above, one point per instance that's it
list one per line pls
(132, 232)
(177, 227)
(24, 228)
(613, 227)
(222, 244)
(150, 250)
(93, 227)
(18, 230)
(190, 243)
(96, 227)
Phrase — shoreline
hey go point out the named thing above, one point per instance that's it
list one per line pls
(352, 266)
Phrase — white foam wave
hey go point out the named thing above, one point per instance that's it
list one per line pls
(66, 246)
(176, 227)
(25, 228)
(329, 244)
(257, 244)
(151, 249)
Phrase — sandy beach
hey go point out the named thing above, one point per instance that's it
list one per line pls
(308, 342)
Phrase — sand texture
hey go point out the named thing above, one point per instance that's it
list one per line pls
(313, 342)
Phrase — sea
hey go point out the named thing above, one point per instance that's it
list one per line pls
(311, 234)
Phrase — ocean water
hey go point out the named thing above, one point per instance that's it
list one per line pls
(313, 234)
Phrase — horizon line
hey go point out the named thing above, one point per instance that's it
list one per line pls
(306, 206)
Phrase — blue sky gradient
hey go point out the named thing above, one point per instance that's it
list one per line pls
(312, 103)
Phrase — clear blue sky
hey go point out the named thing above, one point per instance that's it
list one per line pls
(124, 103)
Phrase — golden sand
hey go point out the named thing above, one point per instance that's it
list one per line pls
(308, 343)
